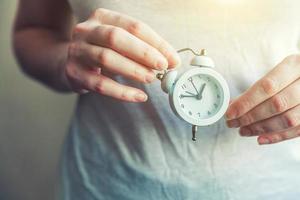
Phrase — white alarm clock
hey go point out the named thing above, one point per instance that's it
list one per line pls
(198, 95)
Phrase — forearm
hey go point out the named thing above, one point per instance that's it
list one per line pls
(42, 54)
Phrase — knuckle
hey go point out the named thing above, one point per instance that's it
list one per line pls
(97, 30)
(123, 94)
(135, 27)
(99, 86)
(247, 119)
(258, 129)
(104, 57)
(137, 74)
(279, 103)
(163, 47)
(290, 119)
(147, 53)
(243, 106)
(113, 36)
(268, 86)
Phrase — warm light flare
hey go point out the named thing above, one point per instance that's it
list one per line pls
(229, 1)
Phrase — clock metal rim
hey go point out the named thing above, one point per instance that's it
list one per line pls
(175, 103)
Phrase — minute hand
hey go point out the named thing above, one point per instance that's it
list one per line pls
(201, 91)
(195, 87)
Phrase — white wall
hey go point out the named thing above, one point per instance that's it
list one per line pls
(33, 122)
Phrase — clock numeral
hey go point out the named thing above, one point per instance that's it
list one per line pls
(216, 86)
(199, 114)
(180, 96)
(183, 86)
(218, 96)
(208, 79)
(215, 105)
(190, 113)
(208, 112)
(182, 105)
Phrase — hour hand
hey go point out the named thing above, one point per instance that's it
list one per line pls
(182, 96)
(189, 95)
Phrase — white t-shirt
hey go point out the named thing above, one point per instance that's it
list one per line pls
(135, 151)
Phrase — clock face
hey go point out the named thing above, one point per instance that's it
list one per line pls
(200, 96)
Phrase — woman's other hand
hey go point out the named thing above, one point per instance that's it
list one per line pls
(270, 109)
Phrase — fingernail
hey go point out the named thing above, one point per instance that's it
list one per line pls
(233, 123)
(140, 97)
(263, 140)
(150, 77)
(162, 63)
(245, 132)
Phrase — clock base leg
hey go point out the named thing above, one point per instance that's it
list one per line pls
(194, 131)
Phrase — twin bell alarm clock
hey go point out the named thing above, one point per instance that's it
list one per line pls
(199, 94)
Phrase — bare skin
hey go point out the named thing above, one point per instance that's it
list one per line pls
(83, 57)
(270, 109)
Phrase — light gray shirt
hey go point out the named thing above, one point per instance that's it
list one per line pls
(133, 151)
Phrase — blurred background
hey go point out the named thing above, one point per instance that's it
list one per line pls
(33, 123)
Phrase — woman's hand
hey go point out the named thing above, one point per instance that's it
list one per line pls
(270, 109)
(110, 42)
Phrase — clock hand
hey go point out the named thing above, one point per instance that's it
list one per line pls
(191, 93)
(182, 96)
(201, 91)
(194, 86)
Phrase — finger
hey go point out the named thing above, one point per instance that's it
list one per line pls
(111, 61)
(286, 120)
(276, 137)
(106, 86)
(281, 76)
(141, 31)
(128, 45)
(282, 101)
